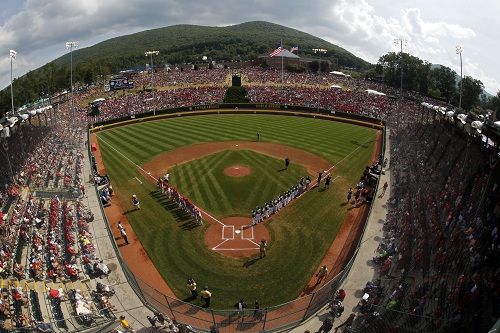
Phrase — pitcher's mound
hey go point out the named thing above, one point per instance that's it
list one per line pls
(236, 171)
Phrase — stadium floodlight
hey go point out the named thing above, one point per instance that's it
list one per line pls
(458, 50)
(400, 42)
(13, 55)
(320, 51)
(70, 46)
(150, 53)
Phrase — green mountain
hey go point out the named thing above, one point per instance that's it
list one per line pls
(189, 43)
(176, 44)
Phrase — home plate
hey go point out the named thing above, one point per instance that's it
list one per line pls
(237, 231)
(236, 145)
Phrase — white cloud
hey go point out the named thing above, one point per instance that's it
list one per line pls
(38, 29)
(431, 40)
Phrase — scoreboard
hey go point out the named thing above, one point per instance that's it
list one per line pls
(120, 83)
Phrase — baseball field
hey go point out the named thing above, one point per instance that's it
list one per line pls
(197, 152)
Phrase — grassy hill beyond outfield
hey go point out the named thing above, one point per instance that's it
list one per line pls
(301, 234)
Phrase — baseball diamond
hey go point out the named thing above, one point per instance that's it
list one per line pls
(299, 237)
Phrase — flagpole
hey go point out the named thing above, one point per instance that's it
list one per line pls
(282, 88)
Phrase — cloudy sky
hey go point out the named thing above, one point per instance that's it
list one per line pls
(39, 29)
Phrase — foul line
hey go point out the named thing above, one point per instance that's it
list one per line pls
(215, 247)
(125, 157)
(149, 174)
(352, 152)
(239, 249)
(327, 171)
(251, 240)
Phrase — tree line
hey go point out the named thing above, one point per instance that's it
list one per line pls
(439, 82)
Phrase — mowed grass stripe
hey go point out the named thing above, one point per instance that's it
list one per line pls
(273, 168)
(260, 187)
(322, 142)
(131, 144)
(300, 234)
(208, 187)
(157, 135)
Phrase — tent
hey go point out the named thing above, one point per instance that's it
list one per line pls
(337, 73)
(98, 100)
(334, 87)
(374, 92)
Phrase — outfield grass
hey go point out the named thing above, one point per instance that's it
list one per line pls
(300, 235)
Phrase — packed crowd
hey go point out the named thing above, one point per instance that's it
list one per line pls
(44, 239)
(132, 104)
(437, 262)
(349, 101)
(273, 77)
(205, 87)
(177, 78)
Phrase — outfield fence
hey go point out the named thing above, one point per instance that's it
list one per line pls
(271, 319)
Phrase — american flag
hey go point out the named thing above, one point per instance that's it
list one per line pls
(294, 48)
(276, 51)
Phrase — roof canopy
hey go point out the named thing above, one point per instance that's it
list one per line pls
(374, 92)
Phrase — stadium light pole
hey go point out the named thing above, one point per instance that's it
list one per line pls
(400, 42)
(458, 49)
(70, 46)
(13, 55)
(320, 51)
(150, 53)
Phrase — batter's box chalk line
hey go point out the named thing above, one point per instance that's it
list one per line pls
(248, 231)
(229, 227)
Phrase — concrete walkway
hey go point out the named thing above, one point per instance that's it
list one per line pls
(363, 269)
(125, 299)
